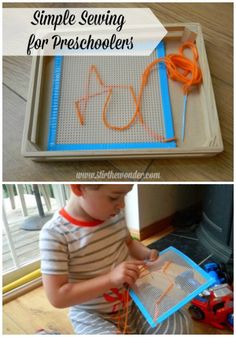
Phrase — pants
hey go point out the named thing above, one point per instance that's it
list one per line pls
(86, 322)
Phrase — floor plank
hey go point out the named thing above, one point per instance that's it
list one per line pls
(10, 327)
(32, 312)
(16, 74)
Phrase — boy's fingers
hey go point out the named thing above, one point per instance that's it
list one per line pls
(133, 267)
(133, 274)
(154, 254)
(130, 280)
(136, 262)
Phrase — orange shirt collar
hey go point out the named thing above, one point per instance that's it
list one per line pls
(77, 222)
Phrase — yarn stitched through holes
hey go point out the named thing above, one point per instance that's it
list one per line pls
(179, 68)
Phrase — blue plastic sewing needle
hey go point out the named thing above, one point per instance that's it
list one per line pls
(184, 116)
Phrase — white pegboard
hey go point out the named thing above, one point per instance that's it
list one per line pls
(167, 284)
(113, 71)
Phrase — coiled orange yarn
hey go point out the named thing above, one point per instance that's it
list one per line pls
(179, 68)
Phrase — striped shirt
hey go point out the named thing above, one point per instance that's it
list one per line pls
(83, 252)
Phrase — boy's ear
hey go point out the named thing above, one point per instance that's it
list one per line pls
(76, 189)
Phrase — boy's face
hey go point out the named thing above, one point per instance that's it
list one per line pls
(104, 202)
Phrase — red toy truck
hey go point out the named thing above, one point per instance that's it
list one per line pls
(214, 306)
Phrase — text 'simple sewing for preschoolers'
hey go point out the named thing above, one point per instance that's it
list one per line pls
(90, 107)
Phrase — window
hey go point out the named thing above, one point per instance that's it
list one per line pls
(26, 207)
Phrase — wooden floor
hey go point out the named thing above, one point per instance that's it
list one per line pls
(32, 311)
(217, 22)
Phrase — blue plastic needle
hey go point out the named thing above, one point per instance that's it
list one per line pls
(184, 116)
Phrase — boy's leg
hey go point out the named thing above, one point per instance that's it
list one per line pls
(87, 323)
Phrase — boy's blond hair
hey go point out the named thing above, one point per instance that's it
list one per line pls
(75, 190)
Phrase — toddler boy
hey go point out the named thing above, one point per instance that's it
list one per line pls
(88, 260)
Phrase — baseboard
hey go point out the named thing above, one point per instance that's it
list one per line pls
(152, 229)
(134, 233)
(184, 217)
(17, 292)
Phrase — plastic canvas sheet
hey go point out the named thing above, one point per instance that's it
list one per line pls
(167, 285)
(69, 78)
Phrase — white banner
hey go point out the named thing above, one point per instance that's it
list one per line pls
(78, 31)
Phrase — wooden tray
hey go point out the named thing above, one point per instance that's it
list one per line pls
(202, 135)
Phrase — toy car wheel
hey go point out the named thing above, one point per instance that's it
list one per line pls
(196, 313)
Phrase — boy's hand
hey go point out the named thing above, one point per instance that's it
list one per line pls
(153, 255)
(125, 273)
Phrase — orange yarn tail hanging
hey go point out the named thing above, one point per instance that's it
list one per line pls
(180, 69)
(124, 299)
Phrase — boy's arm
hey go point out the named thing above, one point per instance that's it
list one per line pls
(63, 294)
(138, 251)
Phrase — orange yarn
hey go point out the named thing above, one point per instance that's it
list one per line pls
(156, 313)
(179, 68)
(124, 299)
(126, 310)
(166, 265)
(145, 271)
(106, 89)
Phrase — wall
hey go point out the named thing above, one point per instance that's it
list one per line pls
(132, 209)
(157, 202)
